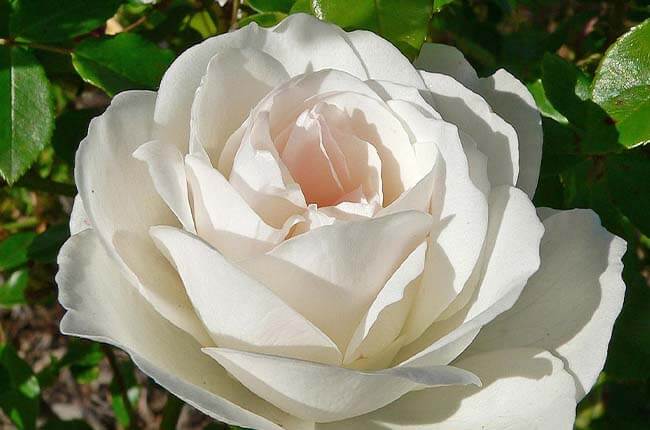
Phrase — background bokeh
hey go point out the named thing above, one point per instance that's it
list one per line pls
(587, 64)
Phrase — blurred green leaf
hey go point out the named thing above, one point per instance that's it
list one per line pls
(83, 358)
(439, 4)
(24, 97)
(629, 349)
(14, 250)
(5, 10)
(171, 412)
(71, 128)
(12, 292)
(45, 247)
(271, 5)
(266, 19)
(126, 61)
(54, 21)
(19, 389)
(301, 6)
(403, 23)
(202, 23)
(629, 185)
(628, 406)
(133, 392)
(66, 425)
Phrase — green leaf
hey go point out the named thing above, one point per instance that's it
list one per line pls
(133, 392)
(439, 4)
(266, 19)
(45, 247)
(54, 21)
(19, 389)
(301, 6)
(543, 104)
(403, 23)
(629, 185)
(271, 5)
(83, 357)
(567, 88)
(12, 292)
(126, 61)
(622, 85)
(626, 64)
(631, 111)
(171, 412)
(26, 111)
(14, 250)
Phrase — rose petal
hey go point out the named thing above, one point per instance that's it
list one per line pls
(223, 218)
(390, 65)
(237, 310)
(122, 203)
(372, 121)
(261, 178)
(78, 218)
(473, 115)
(460, 212)
(103, 306)
(522, 389)
(383, 322)
(507, 96)
(323, 393)
(332, 274)
(167, 170)
(570, 304)
(301, 43)
(235, 81)
(510, 257)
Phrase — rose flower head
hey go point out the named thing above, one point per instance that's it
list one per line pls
(303, 230)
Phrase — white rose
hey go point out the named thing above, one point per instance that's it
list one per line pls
(301, 230)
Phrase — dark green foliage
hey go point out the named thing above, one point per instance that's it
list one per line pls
(124, 62)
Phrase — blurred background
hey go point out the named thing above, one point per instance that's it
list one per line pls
(586, 62)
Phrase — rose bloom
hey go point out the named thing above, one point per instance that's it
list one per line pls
(302, 230)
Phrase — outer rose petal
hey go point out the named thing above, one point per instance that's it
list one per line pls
(511, 256)
(78, 218)
(121, 203)
(103, 306)
(522, 389)
(301, 43)
(570, 304)
(323, 393)
(473, 115)
(507, 96)
(391, 65)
